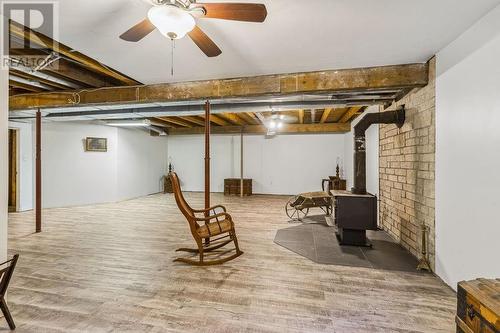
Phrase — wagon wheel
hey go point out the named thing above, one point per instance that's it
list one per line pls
(294, 213)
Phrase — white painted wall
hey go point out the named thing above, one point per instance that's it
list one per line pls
(467, 154)
(70, 175)
(4, 158)
(293, 163)
(285, 164)
(141, 163)
(132, 166)
(25, 165)
(372, 155)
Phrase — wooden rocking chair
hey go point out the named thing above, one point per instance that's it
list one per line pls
(6, 271)
(216, 231)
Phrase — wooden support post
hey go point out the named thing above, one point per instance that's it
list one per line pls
(241, 165)
(207, 155)
(38, 173)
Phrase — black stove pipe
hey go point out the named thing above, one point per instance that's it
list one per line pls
(389, 117)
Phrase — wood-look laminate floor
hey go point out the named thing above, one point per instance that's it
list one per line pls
(108, 268)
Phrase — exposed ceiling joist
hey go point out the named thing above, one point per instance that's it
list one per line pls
(17, 91)
(301, 116)
(254, 116)
(41, 40)
(261, 129)
(397, 77)
(24, 86)
(176, 121)
(195, 120)
(349, 114)
(232, 118)
(157, 121)
(78, 73)
(261, 117)
(217, 120)
(313, 116)
(325, 115)
(249, 118)
(33, 77)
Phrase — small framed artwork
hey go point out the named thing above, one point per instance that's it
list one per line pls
(96, 144)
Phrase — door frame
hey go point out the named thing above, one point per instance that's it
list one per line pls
(13, 163)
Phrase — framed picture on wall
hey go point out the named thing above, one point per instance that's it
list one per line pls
(96, 144)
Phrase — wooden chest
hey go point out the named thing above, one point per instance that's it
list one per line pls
(478, 306)
(232, 186)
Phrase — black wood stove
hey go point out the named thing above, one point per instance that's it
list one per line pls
(356, 211)
(354, 214)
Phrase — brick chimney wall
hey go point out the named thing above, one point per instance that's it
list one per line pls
(407, 170)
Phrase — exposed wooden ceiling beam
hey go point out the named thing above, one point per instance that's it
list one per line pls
(69, 70)
(160, 122)
(349, 114)
(325, 115)
(176, 121)
(79, 74)
(337, 113)
(27, 76)
(24, 86)
(17, 91)
(232, 118)
(313, 116)
(195, 120)
(217, 120)
(261, 129)
(41, 40)
(261, 117)
(254, 116)
(301, 116)
(359, 79)
(249, 118)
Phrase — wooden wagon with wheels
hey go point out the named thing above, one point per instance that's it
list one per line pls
(298, 206)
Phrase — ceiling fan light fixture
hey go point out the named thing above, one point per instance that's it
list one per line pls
(172, 21)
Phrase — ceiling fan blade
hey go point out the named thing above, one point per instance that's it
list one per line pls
(204, 42)
(138, 31)
(249, 12)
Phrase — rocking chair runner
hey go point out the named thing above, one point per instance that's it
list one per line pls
(6, 271)
(219, 225)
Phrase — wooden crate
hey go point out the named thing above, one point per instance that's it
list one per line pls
(478, 306)
(232, 186)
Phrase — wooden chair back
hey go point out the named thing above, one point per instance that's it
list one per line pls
(203, 234)
(6, 271)
(184, 207)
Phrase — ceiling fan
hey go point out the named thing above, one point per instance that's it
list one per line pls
(176, 19)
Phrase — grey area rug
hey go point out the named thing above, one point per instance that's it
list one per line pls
(315, 240)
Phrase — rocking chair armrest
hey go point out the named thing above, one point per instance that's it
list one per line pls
(212, 217)
(209, 209)
(10, 260)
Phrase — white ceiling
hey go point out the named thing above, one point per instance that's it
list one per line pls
(298, 35)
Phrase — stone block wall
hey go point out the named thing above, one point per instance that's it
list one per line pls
(407, 170)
